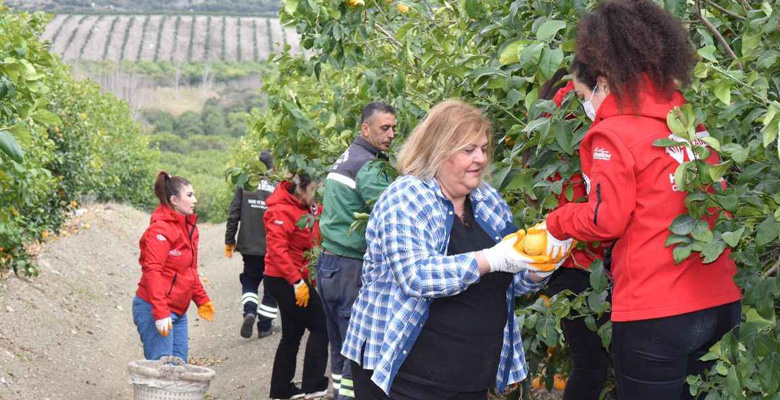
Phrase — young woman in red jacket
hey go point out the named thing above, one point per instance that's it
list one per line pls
(287, 280)
(630, 55)
(169, 279)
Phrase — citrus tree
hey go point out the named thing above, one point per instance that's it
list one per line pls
(60, 140)
(496, 54)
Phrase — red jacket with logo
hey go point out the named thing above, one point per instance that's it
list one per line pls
(169, 263)
(286, 243)
(632, 197)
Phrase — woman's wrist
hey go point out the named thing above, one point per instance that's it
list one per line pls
(482, 263)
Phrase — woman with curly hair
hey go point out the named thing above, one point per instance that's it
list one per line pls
(630, 57)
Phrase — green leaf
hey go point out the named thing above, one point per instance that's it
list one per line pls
(676, 239)
(549, 61)
(549, 28)
(530, 55)
(598, 279)
(46, 117)
(768, 231)
(711, 251)
(707, 52)
(10, 147)
(666, 143)
(712, 142)
(753, 317)
(723, 91)
(702, 232)
(683, 225)
(777, 214)
(729, 202)
(509, 54)
(717, 171)
(701, 70)
(681, 253)
(770, 133)
(677, 124)
(290, 6)
(513, 97)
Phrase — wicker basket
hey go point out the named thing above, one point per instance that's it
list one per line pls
(169, 378)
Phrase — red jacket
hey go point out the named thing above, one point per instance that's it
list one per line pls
(632, 197)
(169, 264)
(285, 242)
(579, 258)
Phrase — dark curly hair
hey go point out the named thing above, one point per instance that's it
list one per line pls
(622, 40)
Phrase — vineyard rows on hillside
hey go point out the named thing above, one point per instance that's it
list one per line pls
(168, 38)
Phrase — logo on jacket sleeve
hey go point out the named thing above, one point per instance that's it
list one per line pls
(601, 154)
(160, 237)
(174, 253)
(278, 222)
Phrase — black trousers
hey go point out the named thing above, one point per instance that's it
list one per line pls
(653, 357)
(295, 321)
(254, 267)
(589, 358)
(366, 389)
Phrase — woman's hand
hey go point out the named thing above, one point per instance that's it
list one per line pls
(206, 311)
(505, 257)
(164, 326)
(301, 293)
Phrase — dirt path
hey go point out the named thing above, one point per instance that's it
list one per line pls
(69, 334)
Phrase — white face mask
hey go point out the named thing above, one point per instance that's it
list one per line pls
(588, 105)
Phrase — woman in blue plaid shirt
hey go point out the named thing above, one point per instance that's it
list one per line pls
(434, 318)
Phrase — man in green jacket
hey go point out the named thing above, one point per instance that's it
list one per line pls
(353, 185)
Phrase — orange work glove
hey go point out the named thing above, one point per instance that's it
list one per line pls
(206, 311)
(229, 249)
(301, 293)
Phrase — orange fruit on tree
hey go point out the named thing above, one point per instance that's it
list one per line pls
(536, 383)
(402, 8)
(546, 299)
(559, 383)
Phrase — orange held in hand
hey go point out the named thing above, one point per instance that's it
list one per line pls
(533, 249)
(535, 242)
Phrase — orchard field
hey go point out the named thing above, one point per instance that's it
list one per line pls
(174, 38)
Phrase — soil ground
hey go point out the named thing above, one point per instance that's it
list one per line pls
(68, 333)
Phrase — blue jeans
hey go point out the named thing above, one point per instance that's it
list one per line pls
(155, 345)
(338, 281)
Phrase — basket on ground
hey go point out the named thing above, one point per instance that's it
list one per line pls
(169, 378)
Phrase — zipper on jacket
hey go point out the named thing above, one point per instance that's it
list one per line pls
(173, 282)
(598, 203)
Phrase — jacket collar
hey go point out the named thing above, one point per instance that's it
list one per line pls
(165, 213)
(362, 142)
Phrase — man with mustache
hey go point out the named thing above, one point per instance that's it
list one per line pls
(353, 185)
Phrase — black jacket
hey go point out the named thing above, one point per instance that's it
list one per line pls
(249, 208)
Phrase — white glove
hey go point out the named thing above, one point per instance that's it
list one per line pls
(164, 326)
(505, 258)
(555, 248)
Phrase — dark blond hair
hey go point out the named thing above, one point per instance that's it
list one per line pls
(449, 127)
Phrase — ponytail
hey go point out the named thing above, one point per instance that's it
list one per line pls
(300, 181)
(166, 186)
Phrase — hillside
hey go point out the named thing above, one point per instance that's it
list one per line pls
(175, 38)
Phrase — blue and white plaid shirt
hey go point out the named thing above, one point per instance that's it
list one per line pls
(406, 266)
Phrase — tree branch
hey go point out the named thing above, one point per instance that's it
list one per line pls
(773, 270)
(725, 11)
(717, 34)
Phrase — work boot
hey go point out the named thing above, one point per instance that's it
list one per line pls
(247, 325)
